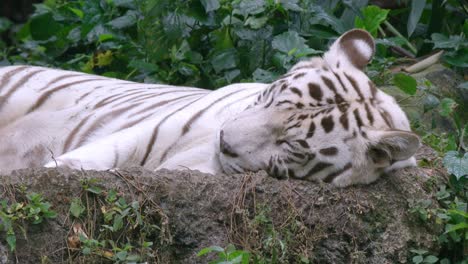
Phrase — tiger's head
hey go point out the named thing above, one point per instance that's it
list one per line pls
(323, 120)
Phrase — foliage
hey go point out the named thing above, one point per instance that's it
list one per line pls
(226, 256)
(122, 233)
(422, 257)
(16, 216)
(211, 43)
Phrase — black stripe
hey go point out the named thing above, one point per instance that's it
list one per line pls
(144, 98)
(340, 81)
(373, 89)
(357, 117)
(315, 91)
(318, 168)
(119, 96)
(329, 83)
(344, 120)
(240, 100)
(387, 118)
(161, 103)
(330, 177)
(45, 96)
(298, 124)
(88, 93)
(18, 84)
(186, 128)
(6, 78)
(311, 131)
(370, 117)
(296, 91)
(60, 78)
(102, 120)
(355, 86)
(299, 75)
(303, 143)
(69, 140)
(197, 115)
(331, 151)
(154, 135)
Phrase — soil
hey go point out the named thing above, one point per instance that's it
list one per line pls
(316, 221)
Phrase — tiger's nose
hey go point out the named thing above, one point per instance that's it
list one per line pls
(225, 148)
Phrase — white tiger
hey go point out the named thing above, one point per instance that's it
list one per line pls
(324, 120)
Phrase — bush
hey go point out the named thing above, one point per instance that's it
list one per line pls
(211, 43)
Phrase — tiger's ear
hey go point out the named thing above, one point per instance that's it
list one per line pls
(393, 145)
(356, 47)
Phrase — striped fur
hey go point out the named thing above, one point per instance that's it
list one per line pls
(324, 120)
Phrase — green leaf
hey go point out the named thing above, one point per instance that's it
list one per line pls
(122, 255)
(104, 37)
(430, 102)
(50, 214)
(144, 67)
(127, 20)
(5, 24)
(224, 60)
(210, 5)
(458, 59)
(417, 7)
(417, 259)
(133, 258)
(458, 212)
(373, 17)
(44, 27)
(463, 85)
(207, 250)
(222, 39)
(442, 42)
(118, 223)
(76, 208)
(288, 41)
(125, 3)
(451, 228)
(250, 7)
(455, 164)
(320, 14)
(256, 22)
(292, 5)
(419, 251)
(77, 12)
(263, 76)
(86, 251)
(405, 82)
(447, 105)
(430, 259)
(11, 240)
(94, 189)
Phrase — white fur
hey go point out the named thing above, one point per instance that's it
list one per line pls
(82, 125)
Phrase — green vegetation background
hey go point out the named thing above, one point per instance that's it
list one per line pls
(212, 43)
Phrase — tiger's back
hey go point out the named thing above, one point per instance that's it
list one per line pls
(48, 112)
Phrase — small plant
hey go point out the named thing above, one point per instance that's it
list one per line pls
(422, 256)
(229, 255)
(122, 233)
(34, 210)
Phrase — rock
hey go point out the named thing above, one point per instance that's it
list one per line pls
(295, 219)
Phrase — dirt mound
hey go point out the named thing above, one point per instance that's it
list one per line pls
(288, 220)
